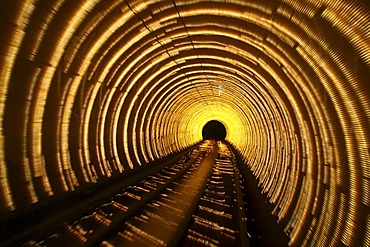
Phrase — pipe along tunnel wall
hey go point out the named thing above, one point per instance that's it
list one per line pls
(93, 89)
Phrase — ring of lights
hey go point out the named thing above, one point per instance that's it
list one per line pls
(93, 88)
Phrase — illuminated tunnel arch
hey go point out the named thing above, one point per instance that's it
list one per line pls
(90, 89)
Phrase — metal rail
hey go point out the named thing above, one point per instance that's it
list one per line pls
(195, 201)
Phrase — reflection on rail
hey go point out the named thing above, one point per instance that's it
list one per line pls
(195, 201)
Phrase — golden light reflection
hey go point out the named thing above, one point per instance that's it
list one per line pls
(89, 90)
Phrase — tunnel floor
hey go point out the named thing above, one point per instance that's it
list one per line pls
(196, 199)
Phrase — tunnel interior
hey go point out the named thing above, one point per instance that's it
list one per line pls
(93, 90)
(214, 130)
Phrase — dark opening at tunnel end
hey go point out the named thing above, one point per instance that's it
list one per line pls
(214, 130)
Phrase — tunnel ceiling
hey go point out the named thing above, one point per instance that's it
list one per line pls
(90, 89)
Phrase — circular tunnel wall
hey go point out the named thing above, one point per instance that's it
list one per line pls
(90, 89)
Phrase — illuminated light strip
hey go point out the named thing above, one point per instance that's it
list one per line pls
(344, 23)
(180, 100)
(85, 131)
(145, 84)
(10, 52)
(114, 145)
(126, 122)
(102, 124)
(157, 92)
(343, 93)
(83, 68)
(125, 143)
(210, 119)
(119, 55)
(40, 99)
(135, 150)
(92, 51)
(289, 30)
(354, 199)
(93, 22)
(100, 148)
(153, 108)
(310, 155)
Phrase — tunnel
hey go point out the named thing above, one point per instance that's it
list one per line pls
(214, 130)
(97, 91)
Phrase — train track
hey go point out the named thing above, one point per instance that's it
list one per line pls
(196, 201)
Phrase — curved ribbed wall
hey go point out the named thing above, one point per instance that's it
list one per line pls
(92, 88)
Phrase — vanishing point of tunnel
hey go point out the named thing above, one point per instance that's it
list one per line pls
(107, 108)
(214, 130)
